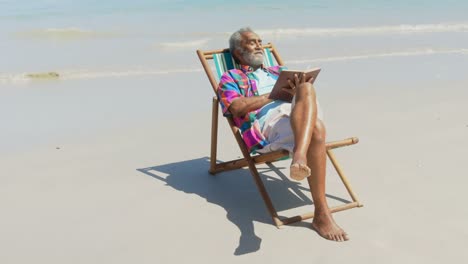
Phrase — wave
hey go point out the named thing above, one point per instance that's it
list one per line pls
(383, 55)
(184, 44)
(63, 33)
(88, 74)
(84, 74)
(357, 31)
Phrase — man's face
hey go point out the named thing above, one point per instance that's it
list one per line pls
(251, 52)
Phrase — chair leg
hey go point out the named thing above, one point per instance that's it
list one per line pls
(344, 179)
(214, 135)
(263, 192)
(256, 175)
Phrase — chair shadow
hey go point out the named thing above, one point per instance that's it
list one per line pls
(236, 192)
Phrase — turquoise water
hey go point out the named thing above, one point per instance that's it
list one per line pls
(88, 39)
(11, 9)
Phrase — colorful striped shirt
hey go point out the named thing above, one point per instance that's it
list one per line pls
(237, 83)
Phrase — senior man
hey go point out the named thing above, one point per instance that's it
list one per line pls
(268, 125)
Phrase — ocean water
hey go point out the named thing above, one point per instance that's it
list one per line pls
(120, 38)
(116, 58)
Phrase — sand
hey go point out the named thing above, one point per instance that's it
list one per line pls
(100, 171)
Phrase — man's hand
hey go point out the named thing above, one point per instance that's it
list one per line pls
(298, 81)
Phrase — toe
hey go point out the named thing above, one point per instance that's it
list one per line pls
(345, 237)
(338, 238)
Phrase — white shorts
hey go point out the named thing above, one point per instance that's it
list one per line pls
(277, 128)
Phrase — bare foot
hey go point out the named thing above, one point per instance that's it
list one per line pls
(299, 171)
(326, 227)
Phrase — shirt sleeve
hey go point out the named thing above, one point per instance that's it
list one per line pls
(228, 90)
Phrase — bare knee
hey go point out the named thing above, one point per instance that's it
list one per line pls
(320, 133)
(306, 90)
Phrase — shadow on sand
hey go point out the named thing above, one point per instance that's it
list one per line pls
(236, 192)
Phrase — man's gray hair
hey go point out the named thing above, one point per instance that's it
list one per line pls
(236, 38)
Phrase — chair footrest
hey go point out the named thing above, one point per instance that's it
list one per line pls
(286, 221)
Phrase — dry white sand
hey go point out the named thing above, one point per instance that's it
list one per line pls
(100, 171)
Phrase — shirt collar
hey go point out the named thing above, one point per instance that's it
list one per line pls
(247, 68)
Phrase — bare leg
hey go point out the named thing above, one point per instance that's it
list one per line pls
(323, 221)
(303, 119)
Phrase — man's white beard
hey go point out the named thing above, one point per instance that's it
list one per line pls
(252, 59)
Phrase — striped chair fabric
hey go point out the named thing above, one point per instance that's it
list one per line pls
(224, 62)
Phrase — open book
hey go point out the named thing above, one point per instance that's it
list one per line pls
(279, 94)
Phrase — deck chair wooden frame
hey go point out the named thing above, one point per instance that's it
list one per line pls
(250, 161)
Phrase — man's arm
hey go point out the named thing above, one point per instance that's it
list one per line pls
(243, 105)
(231, 99)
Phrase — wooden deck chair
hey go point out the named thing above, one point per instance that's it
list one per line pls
(223, 61)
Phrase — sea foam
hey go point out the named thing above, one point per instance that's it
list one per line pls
(420, 52)
(184, 44)
(21, 78)
(357, 31)
(63, 33)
